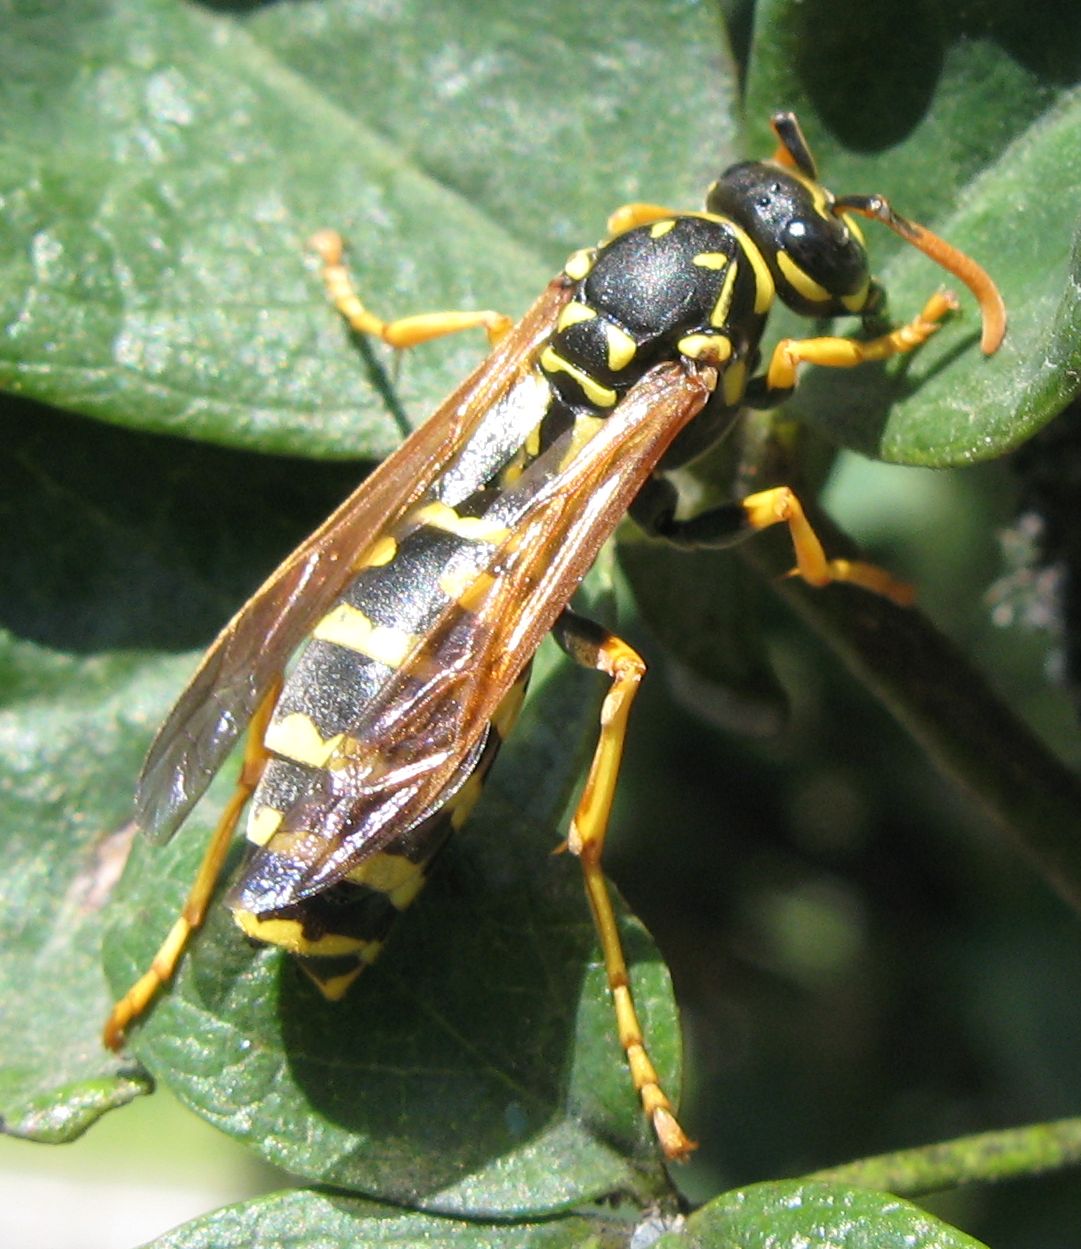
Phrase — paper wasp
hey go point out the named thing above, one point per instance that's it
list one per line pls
(417, 606)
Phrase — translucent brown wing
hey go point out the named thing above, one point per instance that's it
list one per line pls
(416, 741)
(254, 647)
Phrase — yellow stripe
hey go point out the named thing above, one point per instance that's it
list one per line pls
(288, 934)
(660, 228)
(295, 737)
(507, 711)
(763, 279)
(585, 426)
(334, 988)
(463, 802)
(800, 281)
(734, 382)
(347, 626)
(855, 303)
(598, 395)
(472, 528)
(854, 226)
(473, 596)
(393, 874)
(719, 315)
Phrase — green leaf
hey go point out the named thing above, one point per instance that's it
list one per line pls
(162, 167)
(69, 737)
(801, 1214)
(115, 548)
(311, 1220)
(967, 124)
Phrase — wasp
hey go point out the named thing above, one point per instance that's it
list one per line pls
(380, 667)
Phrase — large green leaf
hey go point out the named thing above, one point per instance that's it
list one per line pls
(113, 547)
(162, 167)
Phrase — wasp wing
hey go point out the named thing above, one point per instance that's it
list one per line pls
(254, 647)
(416, 742)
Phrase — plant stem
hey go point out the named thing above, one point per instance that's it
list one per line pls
(968, 1159)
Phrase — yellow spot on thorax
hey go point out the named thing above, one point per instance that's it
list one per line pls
(710, 260)
(713, 347)
(573, 313)
(579, 263)
(621, 347)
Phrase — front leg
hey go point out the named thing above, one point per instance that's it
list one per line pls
(834, 352)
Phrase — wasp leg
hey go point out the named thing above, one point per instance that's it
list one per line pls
(726, 525)
(627, 216)
(405, 331)
(164, 963)
(846, 353)
(593, 647)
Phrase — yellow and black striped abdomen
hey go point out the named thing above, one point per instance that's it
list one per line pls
(413, 575)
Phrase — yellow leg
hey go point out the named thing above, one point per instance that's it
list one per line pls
(406, 331)
(781, 506)
(846, 353)
(627, 216)
(625, 666)
(164, 963)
